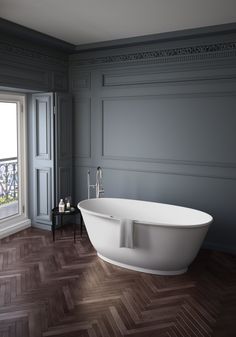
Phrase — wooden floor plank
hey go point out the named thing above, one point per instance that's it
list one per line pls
(63, 289)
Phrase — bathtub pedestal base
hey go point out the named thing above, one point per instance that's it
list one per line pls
(143, 270)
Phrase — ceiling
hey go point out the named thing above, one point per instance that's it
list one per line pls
(91, 21)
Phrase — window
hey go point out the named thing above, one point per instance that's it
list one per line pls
(13, 182)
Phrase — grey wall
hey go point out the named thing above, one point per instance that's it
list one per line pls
(160, 120)
(31, 62)
(159, 117)
(28, 66)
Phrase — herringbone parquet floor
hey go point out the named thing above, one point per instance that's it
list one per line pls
(63, 289)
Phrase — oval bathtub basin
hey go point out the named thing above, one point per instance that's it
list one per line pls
(145, 236)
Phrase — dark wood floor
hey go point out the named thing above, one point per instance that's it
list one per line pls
(64, 289)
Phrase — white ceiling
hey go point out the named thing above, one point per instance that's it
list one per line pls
(88, 21)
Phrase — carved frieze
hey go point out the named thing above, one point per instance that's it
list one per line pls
(226, 49)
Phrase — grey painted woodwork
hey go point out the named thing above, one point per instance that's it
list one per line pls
(51, 125)
(32, 66)
(43, 156)
(160, 120)
(21, 71)
(63, 146)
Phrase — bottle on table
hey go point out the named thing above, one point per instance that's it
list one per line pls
(68, 203)
(61, 206)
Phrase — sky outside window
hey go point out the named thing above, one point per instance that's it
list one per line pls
(8, 130)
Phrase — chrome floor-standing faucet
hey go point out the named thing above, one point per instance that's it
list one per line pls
(98, 185)
(88, 184)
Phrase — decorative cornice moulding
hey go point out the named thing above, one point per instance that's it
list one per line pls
(216, 50)
(17, 51)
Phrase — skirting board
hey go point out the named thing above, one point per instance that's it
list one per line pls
(17, 227)
(41, 226)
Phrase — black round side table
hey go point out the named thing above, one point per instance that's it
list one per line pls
(74, 211)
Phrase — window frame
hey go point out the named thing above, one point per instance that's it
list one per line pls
(15, 222)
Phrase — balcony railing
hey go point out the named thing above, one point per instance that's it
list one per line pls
(8, 180)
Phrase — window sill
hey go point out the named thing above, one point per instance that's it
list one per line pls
(14, 228)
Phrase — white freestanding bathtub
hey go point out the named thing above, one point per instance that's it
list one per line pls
(145, 236)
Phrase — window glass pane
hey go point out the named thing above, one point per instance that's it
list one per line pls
(9, 203)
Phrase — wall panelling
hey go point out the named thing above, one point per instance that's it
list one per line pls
(160, 119)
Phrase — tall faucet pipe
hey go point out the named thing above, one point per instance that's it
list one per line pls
(99, 188)
(88, 183)
(98, 185)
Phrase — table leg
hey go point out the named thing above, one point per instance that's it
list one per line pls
(53, 226)
(74, 227)
(61, 216)
(81, 224)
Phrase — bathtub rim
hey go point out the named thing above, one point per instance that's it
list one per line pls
(142, 222)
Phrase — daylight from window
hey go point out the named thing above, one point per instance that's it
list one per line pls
(8, 130)
(8, 160)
